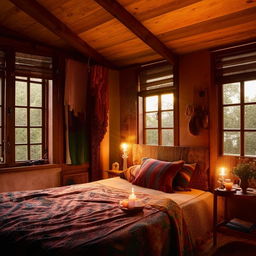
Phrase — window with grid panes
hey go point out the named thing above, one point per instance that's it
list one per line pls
(157, 91)
(236, 76)
(26, 108)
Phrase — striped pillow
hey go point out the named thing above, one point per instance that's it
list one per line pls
(183, 177)
(157, 174)
(130, 173)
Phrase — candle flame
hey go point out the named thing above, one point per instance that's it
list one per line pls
(124, 146)
(222, 171)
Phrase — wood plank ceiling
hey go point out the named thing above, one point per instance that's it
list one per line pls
(182, 26)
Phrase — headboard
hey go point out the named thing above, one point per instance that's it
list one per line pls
(199, 155)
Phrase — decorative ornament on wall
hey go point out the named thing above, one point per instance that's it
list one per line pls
(197, 113)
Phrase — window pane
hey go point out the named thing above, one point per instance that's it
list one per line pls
(35, 152)
(151, 103)
(231, 93)
(250, 143)
(35, 135)
(21, 77)
(35, 117)
(167, 119)
(167, 137)
(152, 137)
(231, 143)
(231, 117)
(20, 135)
(21, 153)
(250, 117)
(250, 91)
(167, 101)
(21, 117)
(21, 93)
(35, 95)
(151, 120)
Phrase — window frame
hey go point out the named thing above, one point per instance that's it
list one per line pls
(140, 100)
(9, 78)
(242, 105)
(159, 111)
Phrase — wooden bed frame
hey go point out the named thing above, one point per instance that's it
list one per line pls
(199, 155)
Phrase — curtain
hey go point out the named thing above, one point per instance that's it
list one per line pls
(75, 100)
(99, 104)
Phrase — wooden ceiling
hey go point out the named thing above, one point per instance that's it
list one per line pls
(179, 27)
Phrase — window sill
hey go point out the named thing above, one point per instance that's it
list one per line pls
(29, 168)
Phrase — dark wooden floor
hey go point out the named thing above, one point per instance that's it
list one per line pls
(229, 244)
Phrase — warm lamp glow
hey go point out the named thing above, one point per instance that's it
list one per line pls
(124, 147)
(222, 171)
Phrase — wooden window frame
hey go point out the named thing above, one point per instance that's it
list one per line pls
(9, 75)
(44, 124)
(242, 105)
(159, 111)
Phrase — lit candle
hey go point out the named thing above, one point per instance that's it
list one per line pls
(228, 184)
(124, 147)
(132, 198)
(222, 172)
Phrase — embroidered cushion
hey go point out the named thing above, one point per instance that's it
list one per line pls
(157, 174)
(183, 177)
(130, 173)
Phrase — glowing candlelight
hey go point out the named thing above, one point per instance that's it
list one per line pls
(222, 171)
(124, 147)
(131, 200)
(228, 184)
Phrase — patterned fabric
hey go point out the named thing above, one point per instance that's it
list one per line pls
(131, 173)
(157, 174)
(86, 220)
(99, 106)
(182, 178)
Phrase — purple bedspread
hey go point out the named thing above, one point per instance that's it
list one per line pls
(86, 220)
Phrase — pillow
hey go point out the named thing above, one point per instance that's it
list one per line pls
(130, 173)
(157, 174)
(183, 177)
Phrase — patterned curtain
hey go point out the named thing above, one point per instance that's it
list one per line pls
(99, 104)
(75, 112)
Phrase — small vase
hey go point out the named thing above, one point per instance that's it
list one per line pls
(244, 185)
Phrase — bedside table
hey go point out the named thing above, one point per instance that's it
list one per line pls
(113, 173)
(217, 226)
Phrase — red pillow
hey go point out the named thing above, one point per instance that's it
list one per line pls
(158, 174)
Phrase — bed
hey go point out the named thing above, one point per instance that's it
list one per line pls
(86, 219)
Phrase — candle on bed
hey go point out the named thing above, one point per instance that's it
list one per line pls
(131, 200)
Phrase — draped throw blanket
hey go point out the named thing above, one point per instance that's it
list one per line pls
(99, 104)
(75, 112)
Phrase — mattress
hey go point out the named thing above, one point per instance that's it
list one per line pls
(196, 206)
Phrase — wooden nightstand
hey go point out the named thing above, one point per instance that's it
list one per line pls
(221, 226)
(114, 173)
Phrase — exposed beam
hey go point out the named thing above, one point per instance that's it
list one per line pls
(119, 12)
(44, 17)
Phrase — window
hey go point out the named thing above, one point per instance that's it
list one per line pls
(236, 76)
(156, 95)
(239, 119)
(25, 108)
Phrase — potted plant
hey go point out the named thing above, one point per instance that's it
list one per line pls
(245, 171)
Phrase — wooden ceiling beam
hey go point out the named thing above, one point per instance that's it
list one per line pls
(44, 17)
(120, 13)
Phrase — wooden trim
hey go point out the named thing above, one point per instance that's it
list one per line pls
(45, 18)
(29, 168)
(128, 20)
